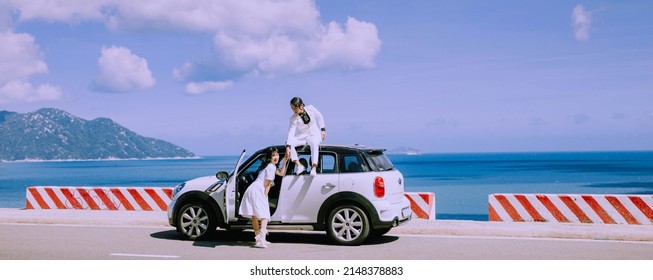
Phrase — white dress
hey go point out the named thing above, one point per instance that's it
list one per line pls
(255, 202)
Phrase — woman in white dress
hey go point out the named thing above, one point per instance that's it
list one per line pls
(255, 200)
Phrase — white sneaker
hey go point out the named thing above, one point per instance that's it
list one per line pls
(313, 172)
(264, 235)
(300, 169)
(260, 241)
(260, 244)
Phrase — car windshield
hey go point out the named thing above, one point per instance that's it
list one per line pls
(380, 161)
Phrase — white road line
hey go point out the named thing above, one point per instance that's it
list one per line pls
(143, 256)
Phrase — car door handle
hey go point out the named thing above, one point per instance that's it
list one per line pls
(329, 186)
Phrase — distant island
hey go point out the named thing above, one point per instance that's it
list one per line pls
(52, 134)
(404, 151)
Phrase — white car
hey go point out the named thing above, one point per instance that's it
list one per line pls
(357, 193)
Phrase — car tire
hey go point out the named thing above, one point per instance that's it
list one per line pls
(196, 221)
(348, 225)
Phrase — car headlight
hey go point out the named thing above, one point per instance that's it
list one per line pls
(178, 189)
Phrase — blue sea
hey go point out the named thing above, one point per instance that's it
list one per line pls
(461, 182)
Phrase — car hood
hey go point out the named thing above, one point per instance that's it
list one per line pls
(200, 184)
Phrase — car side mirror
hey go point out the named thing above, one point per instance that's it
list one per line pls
(222, 175)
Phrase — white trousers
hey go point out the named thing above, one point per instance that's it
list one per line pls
(305, 139)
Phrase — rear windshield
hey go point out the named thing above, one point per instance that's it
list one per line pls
(379, 161)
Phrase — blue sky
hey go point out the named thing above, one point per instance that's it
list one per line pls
(439, 76)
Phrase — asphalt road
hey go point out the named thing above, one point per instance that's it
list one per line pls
(77, 244)
(94, 242)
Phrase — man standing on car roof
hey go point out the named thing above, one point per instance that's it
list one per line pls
(306, 128)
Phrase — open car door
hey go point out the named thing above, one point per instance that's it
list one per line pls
(230, 195)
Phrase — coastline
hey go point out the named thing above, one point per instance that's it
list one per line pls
(451, 228)
(98, 159)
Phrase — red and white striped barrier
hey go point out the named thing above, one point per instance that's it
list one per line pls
(151, 199)
(422, 204)
(572, 208)
(99, 198)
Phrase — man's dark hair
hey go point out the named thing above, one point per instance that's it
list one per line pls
(298, 102)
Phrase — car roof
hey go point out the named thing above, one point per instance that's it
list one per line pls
(338, 148)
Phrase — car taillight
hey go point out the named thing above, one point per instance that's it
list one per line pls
(379, 187)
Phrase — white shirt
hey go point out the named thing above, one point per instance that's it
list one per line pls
(313, 128)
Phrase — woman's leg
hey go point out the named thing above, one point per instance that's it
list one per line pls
(264, 230)
(255, 226)
(264, 226)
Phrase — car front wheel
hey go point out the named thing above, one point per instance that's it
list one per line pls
(196, 221)
(348, 225)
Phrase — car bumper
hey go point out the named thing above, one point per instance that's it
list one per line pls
(391, 215)
(170, 213)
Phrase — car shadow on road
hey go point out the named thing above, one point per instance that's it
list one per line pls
(246, 238)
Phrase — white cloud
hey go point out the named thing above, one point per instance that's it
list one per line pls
(581, 22)
(204, 87)
(250, 17)
(20, 58)
(122, 71)
(274, 53)
(6, 22)
(351, 48)
(68, 10)
(20, 91)
(266, 37)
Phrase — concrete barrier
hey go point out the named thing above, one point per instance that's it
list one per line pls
(99, 198)
(149, 199)
(572, 208)
(422, 204)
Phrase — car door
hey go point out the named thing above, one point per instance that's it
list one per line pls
(230, 196)
(301, 196)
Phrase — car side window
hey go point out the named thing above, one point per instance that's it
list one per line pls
(253, 168)
(327, 163)
(351, 164)
(305, 160)
(251, 172)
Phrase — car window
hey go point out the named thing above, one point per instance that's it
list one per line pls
(327, 163)
(305, 160)
(352, 163)
(379, 161)
(249, 173)
(254, 166)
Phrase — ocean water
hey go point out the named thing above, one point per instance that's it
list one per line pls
(461, 182)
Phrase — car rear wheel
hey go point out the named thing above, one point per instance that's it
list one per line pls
(196, 221)
(348, 225)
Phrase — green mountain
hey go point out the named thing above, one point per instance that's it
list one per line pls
(53, 134)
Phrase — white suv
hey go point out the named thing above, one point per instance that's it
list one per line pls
(357, 193)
